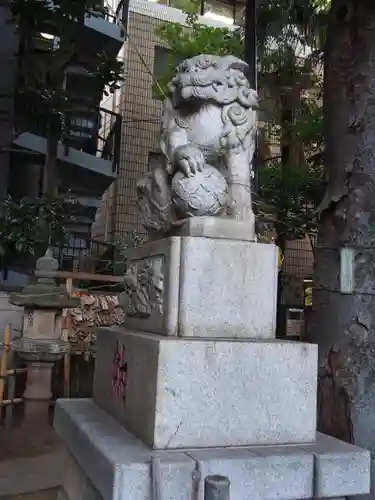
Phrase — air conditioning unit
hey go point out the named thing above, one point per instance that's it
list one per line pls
(295, 322)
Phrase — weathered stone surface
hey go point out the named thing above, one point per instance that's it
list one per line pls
(119, 466)
(76, 485)
(340, 478)
(151, 304)
(209, 125)
(41, 323)
(217, 227)
(175, 393)
(202, 287)
(44, 296)
(227, 288)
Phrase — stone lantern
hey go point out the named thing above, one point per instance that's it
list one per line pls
(41, 344)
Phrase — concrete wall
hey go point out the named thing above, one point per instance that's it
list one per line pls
(10, 314)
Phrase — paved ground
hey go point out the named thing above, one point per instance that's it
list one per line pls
(24, 442)
(22, 438)
(31, 460)
(50, 494)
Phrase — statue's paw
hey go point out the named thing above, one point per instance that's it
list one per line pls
(189, 159)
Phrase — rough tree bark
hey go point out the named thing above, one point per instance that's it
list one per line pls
(344, 324)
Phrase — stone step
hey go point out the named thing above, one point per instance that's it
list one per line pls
(202, 287)
(176, 392)
(109, 463)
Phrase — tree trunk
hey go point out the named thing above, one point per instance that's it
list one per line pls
(344, 324)
(291, 155)
(250, 54)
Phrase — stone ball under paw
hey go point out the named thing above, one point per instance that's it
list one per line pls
(205, 193)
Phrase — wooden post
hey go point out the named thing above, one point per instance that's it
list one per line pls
(65, 336)
(4, 361)
(11, 390)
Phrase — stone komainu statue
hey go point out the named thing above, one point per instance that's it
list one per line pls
(207, 140)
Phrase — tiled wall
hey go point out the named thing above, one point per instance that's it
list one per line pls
(141, 119)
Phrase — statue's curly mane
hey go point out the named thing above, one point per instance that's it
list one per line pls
(221, 81)
(216, 80)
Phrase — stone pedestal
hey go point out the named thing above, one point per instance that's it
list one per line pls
(106, 462)
(39, 356)
(182, 392)
(197, 375)
(38, 394)
(41, 344)
(202, 287)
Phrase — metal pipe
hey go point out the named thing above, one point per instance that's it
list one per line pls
(216, 488)
(251, 59)
(251, 41)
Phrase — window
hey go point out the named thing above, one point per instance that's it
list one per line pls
(225, 11)
(193, 6)
(163, 59)
(219, 11)
(308, 289)
(154, 160)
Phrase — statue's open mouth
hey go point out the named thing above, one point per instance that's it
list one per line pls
(189, 104)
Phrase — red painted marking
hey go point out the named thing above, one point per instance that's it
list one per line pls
(120, 374)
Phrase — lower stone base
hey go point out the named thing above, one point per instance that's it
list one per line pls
(110, 463)
(190, 393)
(75, 484)
(32, 475)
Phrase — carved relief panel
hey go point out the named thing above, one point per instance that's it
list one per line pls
(151, 284)
(144, 287)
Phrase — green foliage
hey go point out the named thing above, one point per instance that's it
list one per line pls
(130, 239)
(108, 73)
(322, 5)
(290, 197)
(309, 127)
(286, 29)
(291, 37)
(194, 39)
(32, 223)
(297, 20)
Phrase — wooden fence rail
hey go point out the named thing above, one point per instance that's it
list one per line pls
(10, 374)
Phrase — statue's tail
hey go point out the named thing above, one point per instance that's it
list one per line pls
(155, 201)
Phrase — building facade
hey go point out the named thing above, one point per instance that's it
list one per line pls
(88, 153)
